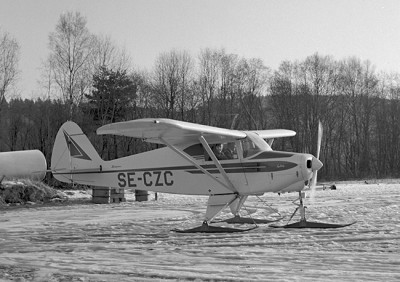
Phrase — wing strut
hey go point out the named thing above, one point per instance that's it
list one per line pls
(217, 163)
(188, 158)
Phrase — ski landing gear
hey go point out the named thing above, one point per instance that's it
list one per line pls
(237, 219)
(205, 228)
(303, 223)
(216, 203)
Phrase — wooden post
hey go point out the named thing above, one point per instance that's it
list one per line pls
(141, 195)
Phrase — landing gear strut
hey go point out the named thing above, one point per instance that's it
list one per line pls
(303, 223)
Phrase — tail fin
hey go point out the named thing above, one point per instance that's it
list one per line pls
(73, 153)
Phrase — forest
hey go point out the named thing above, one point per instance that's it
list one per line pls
(88, 79)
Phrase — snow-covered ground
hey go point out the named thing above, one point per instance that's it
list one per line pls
(132, 241)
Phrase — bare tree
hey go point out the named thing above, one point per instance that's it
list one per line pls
(386, 140)
(9, 58)
(209, 79)
(228, 95)
(185, 74)
(252, 87)
(70, 45)
(359, 85)
(172, 75)
(105, 53)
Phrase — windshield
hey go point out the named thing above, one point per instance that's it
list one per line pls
(253, 144)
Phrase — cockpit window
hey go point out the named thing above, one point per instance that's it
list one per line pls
(224, 151)
(249, 148)
(253, 144)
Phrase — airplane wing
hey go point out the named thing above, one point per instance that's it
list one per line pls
(274, 133)
(175, 134)
(174, 131)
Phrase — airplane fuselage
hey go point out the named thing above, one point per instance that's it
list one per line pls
(162, 170)
(245, 166)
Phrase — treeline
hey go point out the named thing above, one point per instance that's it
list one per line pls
(359, 110)
(89, 80)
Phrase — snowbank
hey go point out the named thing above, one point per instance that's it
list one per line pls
(27, 191)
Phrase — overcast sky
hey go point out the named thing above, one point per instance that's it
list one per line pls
(272, 30)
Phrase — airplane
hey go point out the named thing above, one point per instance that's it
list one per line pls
(189, 164)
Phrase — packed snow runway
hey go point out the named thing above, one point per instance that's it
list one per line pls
(81, 241)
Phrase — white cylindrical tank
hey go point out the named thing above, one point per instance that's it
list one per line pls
(23, 164)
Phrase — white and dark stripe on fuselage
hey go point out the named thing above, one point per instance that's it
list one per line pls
(264, 172)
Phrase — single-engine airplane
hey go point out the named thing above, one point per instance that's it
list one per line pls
(192, 163)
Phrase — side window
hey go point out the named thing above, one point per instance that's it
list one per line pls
(195, 151)
(224, 151)
(229, 151)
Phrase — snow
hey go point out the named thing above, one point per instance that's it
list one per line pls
(133, 241)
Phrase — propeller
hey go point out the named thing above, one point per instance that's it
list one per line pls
(316, 164)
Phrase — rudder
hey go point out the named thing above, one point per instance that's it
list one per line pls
(73, 152)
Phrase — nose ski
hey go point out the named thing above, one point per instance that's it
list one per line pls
(303, 223)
